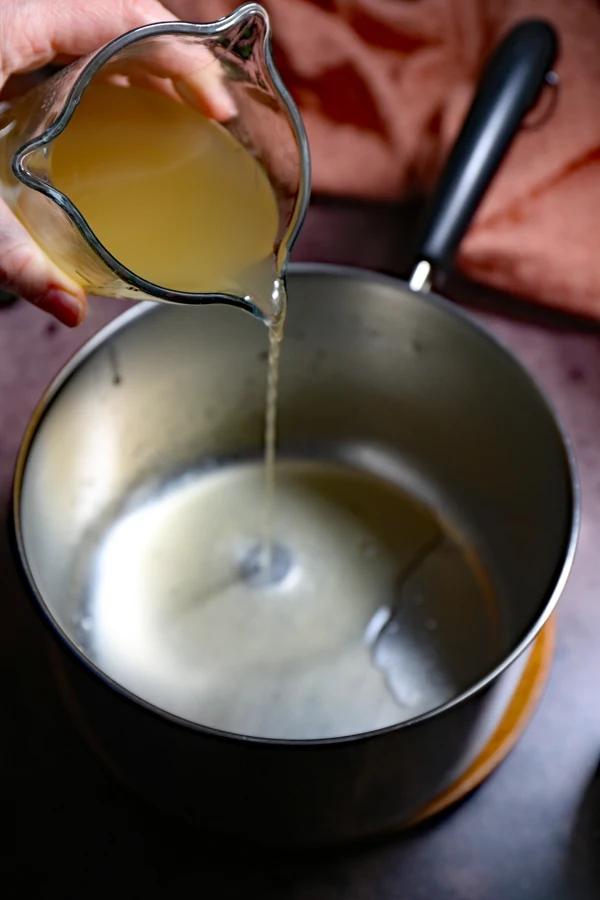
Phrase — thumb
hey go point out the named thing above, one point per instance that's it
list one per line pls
(26, 270)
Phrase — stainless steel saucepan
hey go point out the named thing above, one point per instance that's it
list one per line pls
(380, 377)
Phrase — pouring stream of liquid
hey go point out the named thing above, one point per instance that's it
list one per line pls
(275, 339)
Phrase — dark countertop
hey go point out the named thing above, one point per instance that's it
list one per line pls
(531, 832)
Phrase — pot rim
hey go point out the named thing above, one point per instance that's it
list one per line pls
(549, 601)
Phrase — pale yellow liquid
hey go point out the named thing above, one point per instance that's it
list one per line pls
(275, 339)
(169, 193)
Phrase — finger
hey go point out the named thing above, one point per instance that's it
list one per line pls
(34, 32)
(148, 82)
(197, 76)
(26, 270)
(185, 73)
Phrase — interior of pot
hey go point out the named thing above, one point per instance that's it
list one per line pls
(373, 377)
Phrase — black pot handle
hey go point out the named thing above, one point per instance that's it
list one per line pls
(511, 84)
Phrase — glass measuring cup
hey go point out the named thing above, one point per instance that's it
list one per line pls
(267, 125)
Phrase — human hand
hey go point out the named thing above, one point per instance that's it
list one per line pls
(34, 33)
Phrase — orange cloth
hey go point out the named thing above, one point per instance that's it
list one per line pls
(383, 86)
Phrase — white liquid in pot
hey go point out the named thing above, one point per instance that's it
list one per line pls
(170, 618)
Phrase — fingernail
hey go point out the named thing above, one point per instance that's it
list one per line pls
(208, 96)
(224, 104)
(65, 307)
